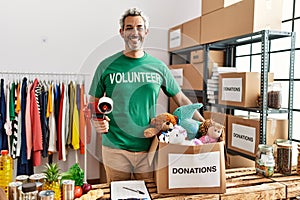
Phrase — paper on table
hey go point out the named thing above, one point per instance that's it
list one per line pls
(132, 189)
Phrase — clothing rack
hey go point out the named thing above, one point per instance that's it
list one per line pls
(50, 75)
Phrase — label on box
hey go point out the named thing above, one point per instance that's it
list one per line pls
(232, 89)
(175, 38)
(243, 137)
(178, 75)
(194, 170)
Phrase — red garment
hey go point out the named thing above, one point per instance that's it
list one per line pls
(60, 123)
(81, 120)
(37, 144)
(88, 126)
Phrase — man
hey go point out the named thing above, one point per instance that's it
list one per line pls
(133, 79)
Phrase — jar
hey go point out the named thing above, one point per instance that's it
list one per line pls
(284, 157)
(298, 160)
(264, 162)
(275, 150)
(274, 95)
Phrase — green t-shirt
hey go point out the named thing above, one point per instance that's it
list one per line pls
(134, 85)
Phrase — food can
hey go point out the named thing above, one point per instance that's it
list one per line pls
(22, 178)
(37, 178)
(46, 195)
(68, 189)
(13, 190)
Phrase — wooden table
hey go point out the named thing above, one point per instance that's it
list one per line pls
(241, 183)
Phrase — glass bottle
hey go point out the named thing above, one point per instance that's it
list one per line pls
(6, 170)
(264, 162)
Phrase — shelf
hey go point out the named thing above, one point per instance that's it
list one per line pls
(250, 38)
(254, 109)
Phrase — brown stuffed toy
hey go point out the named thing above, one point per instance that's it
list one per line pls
(160, 123)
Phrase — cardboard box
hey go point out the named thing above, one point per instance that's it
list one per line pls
(243, 133)
(218, 117)
(189, 76)
(175, 38)
(212, 5)
(244, 17)
(189, 169)
(237, 161)
(240, 88)
(191, 32)
(214, 56)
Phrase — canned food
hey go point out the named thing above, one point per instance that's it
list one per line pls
(68, 189)
(37, 178)
(13, 190)
(22, 178)
(46, 195)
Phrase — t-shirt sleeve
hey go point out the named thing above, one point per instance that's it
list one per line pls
(97, 88)
(170, 85)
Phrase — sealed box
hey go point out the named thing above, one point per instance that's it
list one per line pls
(175, 38)
(191, 32)
(189, 169)
(243, 133)
(209, 5)
(241, 18)
(188, 76)
(240, 88)
(214, 56)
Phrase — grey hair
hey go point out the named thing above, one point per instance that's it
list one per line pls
(134, 12)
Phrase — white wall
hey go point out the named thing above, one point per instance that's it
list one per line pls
(74, 35)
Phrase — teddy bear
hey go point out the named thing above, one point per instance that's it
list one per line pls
(211, 132)
(161, 123)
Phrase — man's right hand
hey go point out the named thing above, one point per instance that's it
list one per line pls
(101, 125)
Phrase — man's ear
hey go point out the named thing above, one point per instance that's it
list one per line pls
(121, 32)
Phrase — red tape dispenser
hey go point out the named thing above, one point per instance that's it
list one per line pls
(101, 108)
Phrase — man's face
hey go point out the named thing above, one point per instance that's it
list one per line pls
(134, 33)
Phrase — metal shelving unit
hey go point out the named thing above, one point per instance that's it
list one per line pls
(229, 45)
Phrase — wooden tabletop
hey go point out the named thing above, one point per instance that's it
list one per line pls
(241, 183)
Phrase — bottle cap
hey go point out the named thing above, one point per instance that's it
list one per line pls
(4, 152)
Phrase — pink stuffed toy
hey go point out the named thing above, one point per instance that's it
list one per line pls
(214, 132)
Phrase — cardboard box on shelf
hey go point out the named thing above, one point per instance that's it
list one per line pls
(189, 76)
(189, 169)
(237, 161)
(243, 133)
(175, 38)
(214, 56)
(209, 5)
(191, 32)
(240, 88)
(241, 18)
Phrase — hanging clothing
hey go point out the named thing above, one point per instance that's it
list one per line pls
(75, 124)
(63, 124)
(14, 120)
(3, 136)
(7, 125)
(37, 145)
(59, 131)
(71, 111)
(52, 122)
(28, 123)
(82, 123)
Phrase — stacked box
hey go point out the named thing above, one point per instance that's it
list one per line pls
(241, 18)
